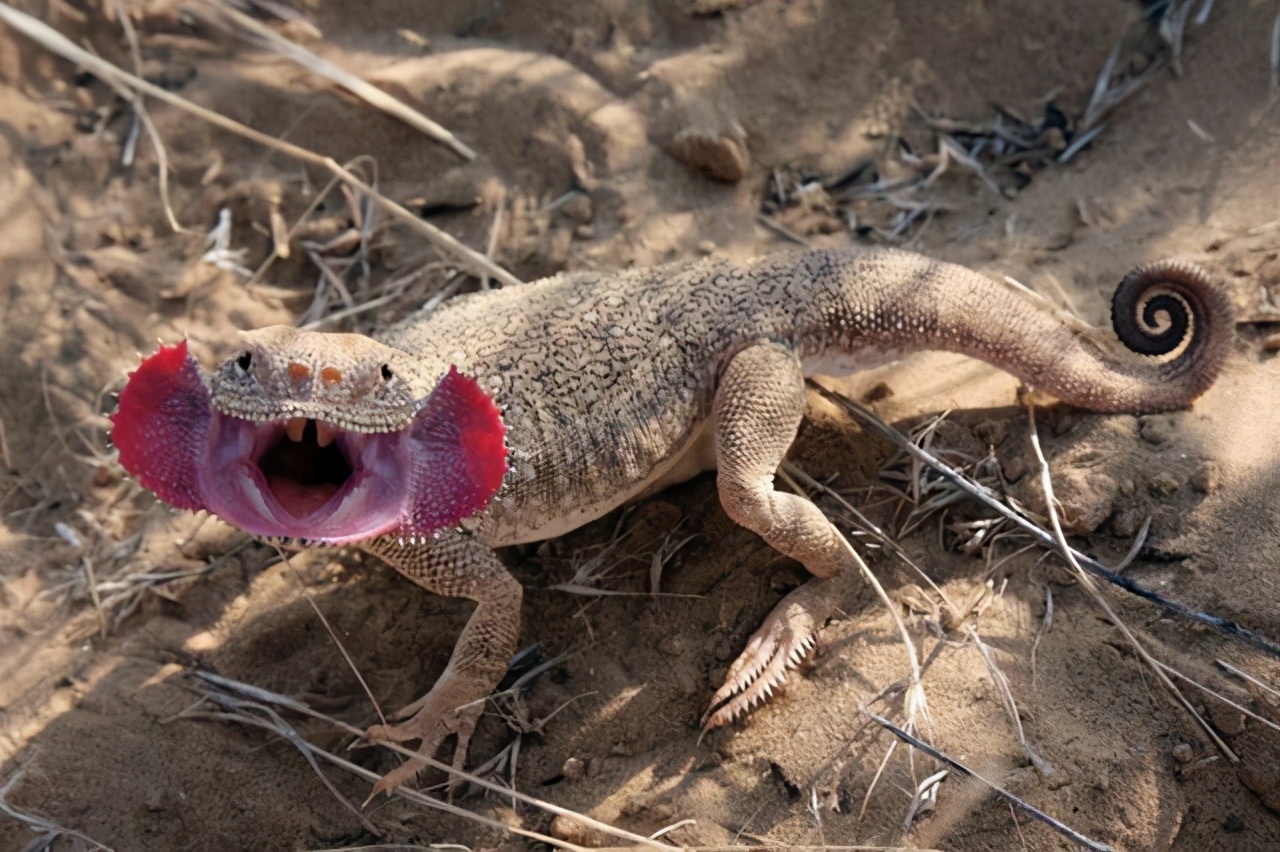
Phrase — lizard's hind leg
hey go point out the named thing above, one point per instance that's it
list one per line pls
(759, 404)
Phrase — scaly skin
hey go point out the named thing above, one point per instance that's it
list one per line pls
(611, 386)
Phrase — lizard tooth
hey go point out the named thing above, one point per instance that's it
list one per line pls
(294, 428)
(325, 433)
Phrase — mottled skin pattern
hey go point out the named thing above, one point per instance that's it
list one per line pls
(613, 385)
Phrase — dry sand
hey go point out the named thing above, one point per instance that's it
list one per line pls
(589, 95)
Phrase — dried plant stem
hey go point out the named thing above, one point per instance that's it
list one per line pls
(333, 634)
(1086, 582)
(223, 16)
(1065, 830)
(261, 695)
(1224, 626)
(162, 155)
(54, 41)
(1218, 695)
(4, 448)
(790, 470)
(1230, 669)
(915, 701)
(52, 831)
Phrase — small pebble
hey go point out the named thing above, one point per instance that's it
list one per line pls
(1162, 484)
(570, 830)
(1207, 478)
(1127, 522)
(1015, 468)
(579, 208)
(673, 645)
(721, 153)
(1157, 429)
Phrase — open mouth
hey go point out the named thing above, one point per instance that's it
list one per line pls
(304, 478)
(306, 466)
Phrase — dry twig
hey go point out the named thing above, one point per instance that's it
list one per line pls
(1086, 582)
(54, 41)
(228, 19)
(1224, 626)
(50, 830)
(1065, 830)
(256, 695)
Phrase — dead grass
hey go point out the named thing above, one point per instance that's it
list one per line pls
(55, 42)
(929, 496)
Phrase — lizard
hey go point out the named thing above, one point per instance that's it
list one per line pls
(518, 414)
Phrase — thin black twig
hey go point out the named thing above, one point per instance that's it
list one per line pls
(1224, 626)
(916, 743)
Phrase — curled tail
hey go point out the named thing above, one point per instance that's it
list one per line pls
(842, 309)
(1175, 323)
(1164, 308)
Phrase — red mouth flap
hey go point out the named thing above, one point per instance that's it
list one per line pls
(162, 423)
(460, 454)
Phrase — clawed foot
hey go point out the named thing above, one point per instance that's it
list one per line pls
(788, 633)
(453, 706)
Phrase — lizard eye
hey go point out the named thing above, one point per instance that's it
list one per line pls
(387, 375)
(244, 360)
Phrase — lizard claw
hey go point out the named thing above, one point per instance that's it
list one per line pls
(789, 632)
(453, 706)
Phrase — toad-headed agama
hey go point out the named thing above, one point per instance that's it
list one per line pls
(516, 415)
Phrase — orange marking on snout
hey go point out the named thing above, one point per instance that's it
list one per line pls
(330, 375)
(299, 372)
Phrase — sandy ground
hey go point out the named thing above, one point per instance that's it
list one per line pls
(108, 600)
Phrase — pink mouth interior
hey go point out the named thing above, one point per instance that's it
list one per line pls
(302, 475)
(266, 483)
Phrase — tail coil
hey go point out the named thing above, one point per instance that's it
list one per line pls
(1165, 306)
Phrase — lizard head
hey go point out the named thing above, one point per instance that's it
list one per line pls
(325, 437)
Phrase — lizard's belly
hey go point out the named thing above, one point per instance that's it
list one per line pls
(513, 518)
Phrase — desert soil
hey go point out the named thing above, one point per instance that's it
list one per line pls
(608, 135)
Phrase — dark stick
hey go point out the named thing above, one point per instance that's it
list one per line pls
(1065, 830)
(1225, 626)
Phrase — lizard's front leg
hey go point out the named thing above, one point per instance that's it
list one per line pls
(458, 566)
(759, 404)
